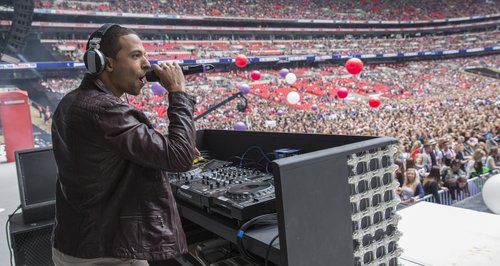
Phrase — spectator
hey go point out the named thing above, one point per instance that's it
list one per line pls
(412, 188)
(432, 184)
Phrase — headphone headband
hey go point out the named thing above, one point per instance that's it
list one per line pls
(96, 37)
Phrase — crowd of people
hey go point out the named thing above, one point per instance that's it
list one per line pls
(301, 9)
(430, 107)
(190, 49)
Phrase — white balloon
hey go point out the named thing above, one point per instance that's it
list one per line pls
(491, 193)
(293, 97)
(290, 78)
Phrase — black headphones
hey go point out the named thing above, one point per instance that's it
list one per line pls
(95, 60)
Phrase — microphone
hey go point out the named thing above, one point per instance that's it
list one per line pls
(186, 70)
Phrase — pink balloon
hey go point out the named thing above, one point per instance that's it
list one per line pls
(374, 101)
(342, 93)
(354, 66)
(255, 75)
(241, 60)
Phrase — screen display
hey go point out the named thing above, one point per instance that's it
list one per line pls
(38, 172)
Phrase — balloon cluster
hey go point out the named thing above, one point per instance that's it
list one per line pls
(353, 66)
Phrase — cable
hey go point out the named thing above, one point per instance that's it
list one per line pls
(249, 149)
(266, 219)
(7, 232)
(269, 249)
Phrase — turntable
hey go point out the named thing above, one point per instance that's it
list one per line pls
(245, 201)
(250, 191)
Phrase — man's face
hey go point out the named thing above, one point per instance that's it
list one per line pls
(130, 66)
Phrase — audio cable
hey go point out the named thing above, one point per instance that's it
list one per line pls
(262, 220)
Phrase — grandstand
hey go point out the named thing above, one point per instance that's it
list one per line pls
(435, 65)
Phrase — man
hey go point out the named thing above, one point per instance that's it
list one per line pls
(114, 205)
(428, 156)
(455, 179)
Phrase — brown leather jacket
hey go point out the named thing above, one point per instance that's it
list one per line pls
(113, 198)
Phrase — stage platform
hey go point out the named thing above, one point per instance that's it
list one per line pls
(441, 235)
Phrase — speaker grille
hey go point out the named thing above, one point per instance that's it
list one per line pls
(33, 247)
(373, 203)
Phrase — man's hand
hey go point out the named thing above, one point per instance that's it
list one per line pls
(171, 76)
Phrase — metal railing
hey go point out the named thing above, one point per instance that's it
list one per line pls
(474, 185)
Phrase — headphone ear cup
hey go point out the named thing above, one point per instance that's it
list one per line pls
(94, 60)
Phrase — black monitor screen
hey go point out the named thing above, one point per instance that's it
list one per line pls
(37, 172)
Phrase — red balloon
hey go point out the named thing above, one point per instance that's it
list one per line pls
(354, 66)
(255, 75)
(374, 101)
(342, 93)
(241, 60)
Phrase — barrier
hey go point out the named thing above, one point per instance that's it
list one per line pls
(475, 185)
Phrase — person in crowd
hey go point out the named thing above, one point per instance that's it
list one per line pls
(399, 172)
(420, 167)
(475, 166)
(460, 156)
(114, 205)
(448, 153)
(412, 188)
(432, 183)
(429, 155)
(491, 161)
(454, 178)
(415, 149)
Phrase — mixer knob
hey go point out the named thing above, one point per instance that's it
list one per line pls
(245, 195)
(211, 186)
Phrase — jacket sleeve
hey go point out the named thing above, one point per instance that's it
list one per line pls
(128, 132)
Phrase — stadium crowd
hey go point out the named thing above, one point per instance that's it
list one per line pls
(423, 101)
(185, 49)
(279, 9)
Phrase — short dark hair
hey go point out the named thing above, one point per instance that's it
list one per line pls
(110, 45)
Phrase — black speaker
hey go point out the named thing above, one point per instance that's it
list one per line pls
(20, 28)
(31, 243)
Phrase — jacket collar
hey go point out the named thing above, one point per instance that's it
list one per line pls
(93, 81)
